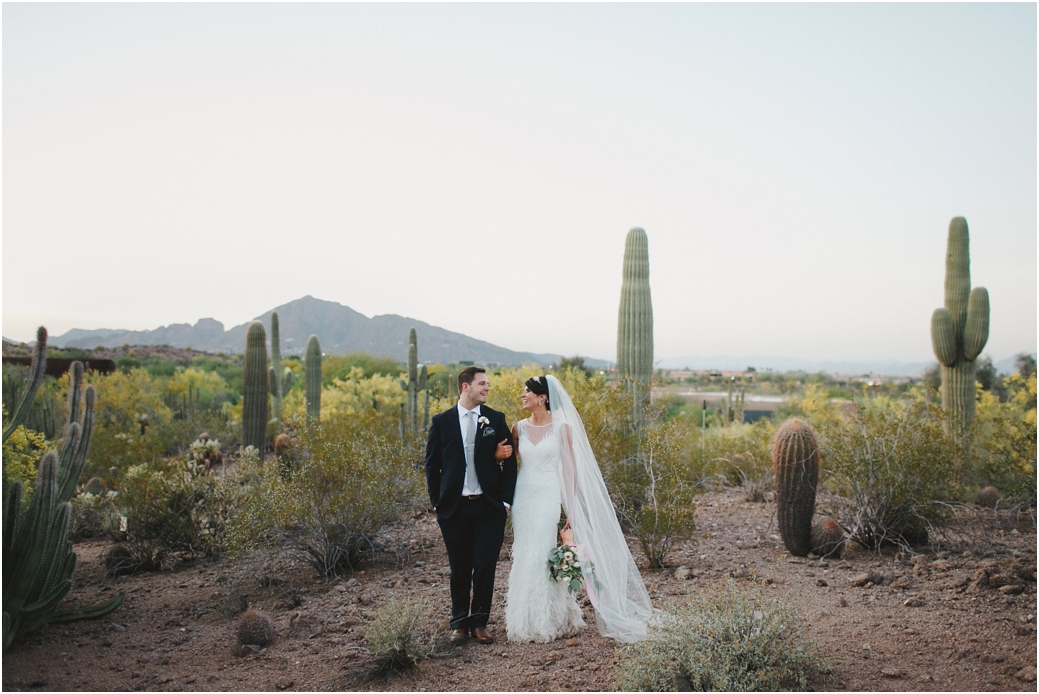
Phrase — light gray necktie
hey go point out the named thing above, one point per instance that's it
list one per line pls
(471, 482)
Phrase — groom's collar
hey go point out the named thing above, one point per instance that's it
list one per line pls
(463, 412)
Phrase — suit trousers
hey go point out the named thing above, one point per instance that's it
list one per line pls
(473, 536)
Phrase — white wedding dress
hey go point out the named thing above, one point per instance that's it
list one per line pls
(537, 608)
(559, 470)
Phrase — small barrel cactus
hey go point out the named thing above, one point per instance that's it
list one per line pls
(255, 628)
(827, 538)
(94, 486)
(795, 463)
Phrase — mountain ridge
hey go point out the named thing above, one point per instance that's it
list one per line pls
(339, 328)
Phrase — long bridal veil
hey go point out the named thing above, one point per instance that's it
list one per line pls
(615, 588)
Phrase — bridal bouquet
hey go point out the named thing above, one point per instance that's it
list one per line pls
(565, 566)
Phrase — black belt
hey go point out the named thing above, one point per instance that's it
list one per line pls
(472, 496)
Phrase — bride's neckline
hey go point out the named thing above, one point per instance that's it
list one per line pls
(531, 424)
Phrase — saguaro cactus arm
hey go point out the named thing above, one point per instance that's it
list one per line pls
(975, 333)
(943, 336)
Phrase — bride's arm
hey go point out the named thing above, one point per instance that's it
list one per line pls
(569, 472)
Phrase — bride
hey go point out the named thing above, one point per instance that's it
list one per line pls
(558, 469)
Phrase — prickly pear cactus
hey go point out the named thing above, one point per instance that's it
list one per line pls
(312, 366)
(959, 331)
(635, 323)
(255, 383)
(795, 464)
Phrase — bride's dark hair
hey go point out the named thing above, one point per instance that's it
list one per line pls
(538, 385)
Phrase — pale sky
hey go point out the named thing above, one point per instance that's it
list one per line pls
(477, 167)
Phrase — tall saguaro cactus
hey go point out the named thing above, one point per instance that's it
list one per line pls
(255, 388)
(635, 322)
(313, 379)
(416, 382)
(275, 375)
(959, 331)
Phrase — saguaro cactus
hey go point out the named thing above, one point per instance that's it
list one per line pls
(313, 379)
(795, 463)
(38, 559)
(416, 382)
(276, 374)
(255, 388)
(959, 331)
(635, 322)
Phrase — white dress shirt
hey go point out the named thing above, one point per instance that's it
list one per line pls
(463, 423)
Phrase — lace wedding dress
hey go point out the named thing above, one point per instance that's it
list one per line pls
(559, 469)
(537, 608)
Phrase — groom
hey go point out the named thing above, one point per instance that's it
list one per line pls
(471, 476)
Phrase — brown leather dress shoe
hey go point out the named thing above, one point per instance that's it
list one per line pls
(459, 635)
(481, 636)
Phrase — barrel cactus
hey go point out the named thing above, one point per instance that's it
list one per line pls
(38, 559)
(312, 366)
(635, 323)
(255, 382)
(959, 331)
(795, 464)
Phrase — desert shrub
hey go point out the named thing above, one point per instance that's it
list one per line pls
(657, 493)
(888, 470)
(93, 515)
(398, 636)
(738, 455)
(1004, 450)
(22, 452)
(353, 477)
(727, 640)
(176, 506)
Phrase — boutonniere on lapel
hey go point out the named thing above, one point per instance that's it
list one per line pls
(487, 431)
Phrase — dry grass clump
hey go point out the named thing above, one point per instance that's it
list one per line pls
(395, 637)
(727, 640)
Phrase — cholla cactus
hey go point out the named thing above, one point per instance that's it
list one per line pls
(205, 452)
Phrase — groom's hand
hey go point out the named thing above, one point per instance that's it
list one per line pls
(503, 451)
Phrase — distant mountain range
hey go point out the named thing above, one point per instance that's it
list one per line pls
(880, 367)
(340, 329)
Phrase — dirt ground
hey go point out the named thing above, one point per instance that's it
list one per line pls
(959, 620)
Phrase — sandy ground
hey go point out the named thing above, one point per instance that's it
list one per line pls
(960, 620)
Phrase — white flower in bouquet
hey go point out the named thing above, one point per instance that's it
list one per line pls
(568, 556)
